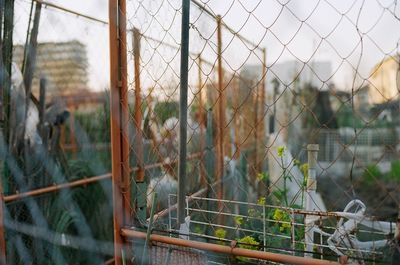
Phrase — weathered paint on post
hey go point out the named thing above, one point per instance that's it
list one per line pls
(262, 108)
(236, 116)
(203, 177)
(119, 123)
(183, 106)
(138, 116)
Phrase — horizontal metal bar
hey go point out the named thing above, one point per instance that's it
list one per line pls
(229, 250)
(55, 188)
(214, 16)
(55, 6)
(82, 182)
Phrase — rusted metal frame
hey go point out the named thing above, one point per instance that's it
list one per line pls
(220, 116)
(140, 187)
(138, 116)
(81, 182)
(55, 188)
(256, 133)
(118, 119)
(236, 120)
(234, 250)
(262, 105)
(203, 177)
(183, 109)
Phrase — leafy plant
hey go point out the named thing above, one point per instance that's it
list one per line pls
(247, 242)
(220, 233)
(394, 173)
(371, 173)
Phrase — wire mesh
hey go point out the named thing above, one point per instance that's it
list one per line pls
(265, 79)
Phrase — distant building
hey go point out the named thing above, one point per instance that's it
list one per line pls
(384, 81)
(64, 64)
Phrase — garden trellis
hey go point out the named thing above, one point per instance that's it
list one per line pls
(234, 132)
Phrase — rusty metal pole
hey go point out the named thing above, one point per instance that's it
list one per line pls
(229, 250)
(138, 111)
(256, 110)
(236, 120)
(183, 108)
(141, 186)
(203, 177)
(119, 123)
(221, 115)
(262, 105)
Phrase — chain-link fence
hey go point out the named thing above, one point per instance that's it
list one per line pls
(240, 131)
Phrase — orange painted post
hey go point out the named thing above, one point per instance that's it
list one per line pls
(236, 120)
(138, 110)
(203, 177)
(220, 116)
(262, 105)
(256, 128)
(119, 124)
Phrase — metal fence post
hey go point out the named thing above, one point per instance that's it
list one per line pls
(141, 186)
(203, 177)
(262, 105)
(6, 80)
(236, 119)
(209, 163)
(119, 124)
(183, 106)
(312, 150)
(220, 116)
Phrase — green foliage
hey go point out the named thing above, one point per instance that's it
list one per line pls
(220, 233)
(280, 150)
(283, 219)
(263, 176)
(238, 220)
(247, 242)
(166, 109)
(394, 173)
(371, 173)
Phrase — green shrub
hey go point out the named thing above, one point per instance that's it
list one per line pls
(371, 173)
(394, 173)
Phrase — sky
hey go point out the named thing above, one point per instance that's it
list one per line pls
(350, 34)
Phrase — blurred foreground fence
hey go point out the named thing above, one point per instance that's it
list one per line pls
(177, 132)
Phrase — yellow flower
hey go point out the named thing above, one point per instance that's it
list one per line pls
(220, 233)
(281, 150)
(261, 201)
(282, 216)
